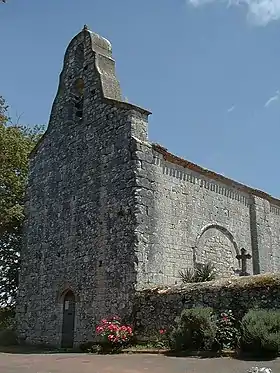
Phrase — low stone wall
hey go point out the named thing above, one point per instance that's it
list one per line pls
(157, 308)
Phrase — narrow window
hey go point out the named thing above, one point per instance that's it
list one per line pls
(77, 93)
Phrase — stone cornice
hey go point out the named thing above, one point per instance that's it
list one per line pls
(169, 157)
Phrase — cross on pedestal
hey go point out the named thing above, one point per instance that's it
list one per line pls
(243, 257)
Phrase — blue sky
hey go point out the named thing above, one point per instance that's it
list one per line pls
(208, 70)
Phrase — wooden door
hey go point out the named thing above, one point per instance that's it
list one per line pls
(68, 324)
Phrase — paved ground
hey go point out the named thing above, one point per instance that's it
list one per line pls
(83, 363)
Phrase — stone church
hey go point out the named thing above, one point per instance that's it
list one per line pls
(108, 213)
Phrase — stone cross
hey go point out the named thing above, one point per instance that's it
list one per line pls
(243, 257)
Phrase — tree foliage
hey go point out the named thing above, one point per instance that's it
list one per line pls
(16, 142)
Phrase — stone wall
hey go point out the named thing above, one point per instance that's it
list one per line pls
(268, 228)
(190, 218)
(274, 224)
(190, 215)
(80, 222)
(157, 308)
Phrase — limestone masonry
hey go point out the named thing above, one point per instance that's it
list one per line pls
(156, 308)
(108, 213)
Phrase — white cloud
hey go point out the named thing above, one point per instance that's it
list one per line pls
(231, 109)
(272, 99)
(259, 12)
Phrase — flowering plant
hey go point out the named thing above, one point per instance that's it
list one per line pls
(162, 339)
(113, 333)
(227, 333)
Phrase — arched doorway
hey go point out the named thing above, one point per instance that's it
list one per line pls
(68, 323)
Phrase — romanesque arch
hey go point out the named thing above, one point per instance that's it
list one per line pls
(216, 244)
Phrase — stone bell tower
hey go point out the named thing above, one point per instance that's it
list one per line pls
(78, 261)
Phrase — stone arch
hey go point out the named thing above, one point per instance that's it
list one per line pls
(69, 293)
(216, 244)
(61, 294)
(224, 230)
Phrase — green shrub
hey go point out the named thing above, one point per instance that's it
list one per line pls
(7, 318)
(201, 273)
(86, 346)
(89, 347)
(205, 272)
(260, 332)
(195, 330)
(8, 337)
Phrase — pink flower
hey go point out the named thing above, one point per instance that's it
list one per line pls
(113, 328)
(162, 331)
(99, 329)
(113, 331)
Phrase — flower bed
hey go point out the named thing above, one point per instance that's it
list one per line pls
(114, 335)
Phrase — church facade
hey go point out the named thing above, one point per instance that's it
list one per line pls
(108, 213)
